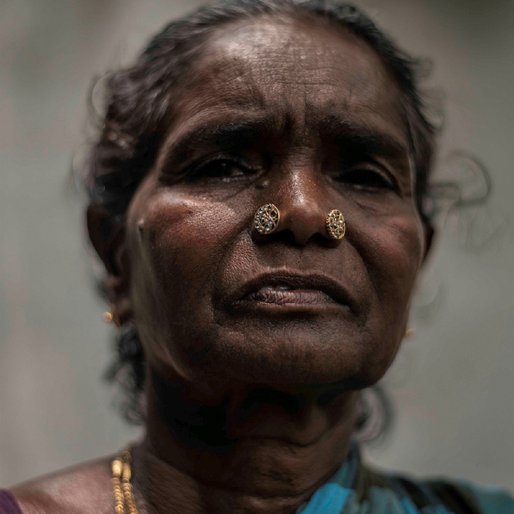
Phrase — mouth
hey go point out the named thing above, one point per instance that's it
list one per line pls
(284, 295)
(293, 290)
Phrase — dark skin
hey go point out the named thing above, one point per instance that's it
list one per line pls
(264, 340)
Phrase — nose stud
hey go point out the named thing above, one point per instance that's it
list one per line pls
(335, 225)
(266, 219)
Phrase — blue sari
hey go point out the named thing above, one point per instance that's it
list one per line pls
(356, 489)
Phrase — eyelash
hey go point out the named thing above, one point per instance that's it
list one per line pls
(367, 178)
(363, 177)
(221, 169)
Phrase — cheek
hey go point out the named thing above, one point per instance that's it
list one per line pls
(186, 239)
(403, 247)
(392, 239)
(177, 247)
(397, 261)
(392, 249)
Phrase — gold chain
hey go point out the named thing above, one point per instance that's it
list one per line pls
(122, 491)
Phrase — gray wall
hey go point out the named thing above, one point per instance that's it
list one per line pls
(452, 383)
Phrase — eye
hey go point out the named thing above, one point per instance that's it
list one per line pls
(367, 178)
(224, 170)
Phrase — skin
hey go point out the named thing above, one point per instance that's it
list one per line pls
(275, 376)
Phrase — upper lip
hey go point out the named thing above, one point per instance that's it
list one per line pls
(295, 280)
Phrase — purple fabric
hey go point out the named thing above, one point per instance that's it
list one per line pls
(8, 503)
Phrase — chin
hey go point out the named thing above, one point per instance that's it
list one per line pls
(295, 355)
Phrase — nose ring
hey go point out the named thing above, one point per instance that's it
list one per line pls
(266, 219)
(335, 225)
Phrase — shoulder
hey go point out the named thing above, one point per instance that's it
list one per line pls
(85, 488)
(490, 499)
(464, 496)
(440, 495)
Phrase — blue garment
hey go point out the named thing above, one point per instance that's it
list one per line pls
(356, 489)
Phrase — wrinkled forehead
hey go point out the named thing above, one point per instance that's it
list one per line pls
(295, 68)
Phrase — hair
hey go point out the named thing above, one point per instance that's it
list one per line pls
(139, 105)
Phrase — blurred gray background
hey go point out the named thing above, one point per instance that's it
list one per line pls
(452, 384)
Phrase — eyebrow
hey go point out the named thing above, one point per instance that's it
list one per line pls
(364, 138)
(241, 131)
(216, 133)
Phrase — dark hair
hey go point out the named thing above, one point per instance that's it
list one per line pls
(139, 106)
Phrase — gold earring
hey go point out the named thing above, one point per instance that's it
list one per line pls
(111, 316)
(335, 224)
(409, 332)
(266, 219)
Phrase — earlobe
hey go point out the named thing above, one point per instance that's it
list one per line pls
(108, 240)
(429, 238)
(106, 237)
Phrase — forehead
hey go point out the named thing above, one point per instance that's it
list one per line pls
(295, 69)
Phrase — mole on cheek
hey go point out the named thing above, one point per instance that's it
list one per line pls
(263, 184)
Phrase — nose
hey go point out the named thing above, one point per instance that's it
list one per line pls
(301, 198)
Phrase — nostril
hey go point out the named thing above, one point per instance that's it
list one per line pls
(305, 225)
(305, 219)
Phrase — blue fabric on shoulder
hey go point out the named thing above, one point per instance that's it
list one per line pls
(397, 495)
(332, 497)
(491, 499)
(329, 499)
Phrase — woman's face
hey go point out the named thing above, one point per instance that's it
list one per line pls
(306, 117)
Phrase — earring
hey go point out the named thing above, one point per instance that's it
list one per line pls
(111, 316)
(266, 219)
(409, 332)
(335, 224)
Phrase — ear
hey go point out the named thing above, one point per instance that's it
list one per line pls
(430, 233)
(108, 239)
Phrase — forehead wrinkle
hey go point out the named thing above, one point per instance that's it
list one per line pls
(201, 97)
(246, 75)
(254, 67)
(270, 39)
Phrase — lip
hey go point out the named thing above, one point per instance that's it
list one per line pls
(312, 289)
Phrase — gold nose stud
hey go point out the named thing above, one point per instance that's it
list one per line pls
(266, 219)
(335, 225)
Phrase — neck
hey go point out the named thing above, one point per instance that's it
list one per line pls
(241, 449)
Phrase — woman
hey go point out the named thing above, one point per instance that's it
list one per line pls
(259, 201)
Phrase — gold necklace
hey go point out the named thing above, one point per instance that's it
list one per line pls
(122, 491)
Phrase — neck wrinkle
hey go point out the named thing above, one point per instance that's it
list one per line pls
(258, 475)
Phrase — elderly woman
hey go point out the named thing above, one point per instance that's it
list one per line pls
(258, 200)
